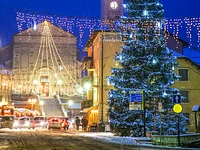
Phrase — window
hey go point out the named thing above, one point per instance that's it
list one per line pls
(184, 94)
(184, 74)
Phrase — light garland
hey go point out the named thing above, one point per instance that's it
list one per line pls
(48, 51)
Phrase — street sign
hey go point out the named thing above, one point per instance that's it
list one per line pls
(135, 97)
(177, 98)
(133, 106)
(177, 108)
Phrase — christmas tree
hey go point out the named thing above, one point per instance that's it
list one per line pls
(146, 66)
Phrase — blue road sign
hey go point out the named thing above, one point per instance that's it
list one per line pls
(135, 97)
(177, 98)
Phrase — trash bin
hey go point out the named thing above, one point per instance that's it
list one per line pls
(101, 127)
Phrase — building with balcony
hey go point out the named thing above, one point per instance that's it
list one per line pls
(102, 47)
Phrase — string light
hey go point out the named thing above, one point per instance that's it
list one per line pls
(83, 27)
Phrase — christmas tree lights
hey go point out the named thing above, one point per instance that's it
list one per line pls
(147, 67)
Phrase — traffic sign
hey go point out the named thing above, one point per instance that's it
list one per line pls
(177, 98)
(177, 108)
(135, 97)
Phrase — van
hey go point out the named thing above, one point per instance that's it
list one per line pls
(6, 122)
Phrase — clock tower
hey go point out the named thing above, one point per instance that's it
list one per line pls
(111, 9)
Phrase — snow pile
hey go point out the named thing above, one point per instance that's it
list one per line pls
(109, 137)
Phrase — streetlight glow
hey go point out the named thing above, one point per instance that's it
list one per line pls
(87, 86)
(32, 101)
(41, 102)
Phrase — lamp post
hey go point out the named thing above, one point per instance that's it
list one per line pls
(32, 101)
(178, 109)
(195, 109)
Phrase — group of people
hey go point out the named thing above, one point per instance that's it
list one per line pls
(84, 122)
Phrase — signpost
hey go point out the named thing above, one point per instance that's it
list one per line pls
(178, 109)
(137, 102)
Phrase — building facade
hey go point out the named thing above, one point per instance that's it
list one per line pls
(102, 48)
(44, 61)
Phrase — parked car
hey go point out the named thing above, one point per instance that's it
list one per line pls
(65, 122)
(40, 121)
(54, 123)
(24, 122)
(6, 122)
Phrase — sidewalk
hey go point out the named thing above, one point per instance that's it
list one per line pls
(109, 137)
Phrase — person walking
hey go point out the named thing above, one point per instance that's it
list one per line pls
(84, 123)
(77, 123)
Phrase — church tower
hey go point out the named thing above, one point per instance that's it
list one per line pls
(111, 9)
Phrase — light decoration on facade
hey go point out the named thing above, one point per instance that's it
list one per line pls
(83, 27)
(49, 52)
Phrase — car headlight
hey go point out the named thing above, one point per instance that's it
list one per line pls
(42, 123)
(16, 123)
(27, 123)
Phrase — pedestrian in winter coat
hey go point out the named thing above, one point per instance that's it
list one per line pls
(84, 123)
(77, 121)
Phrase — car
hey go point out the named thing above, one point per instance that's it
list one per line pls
(24, 122)
(40, 121)
(6, 122)
(65, 122)
(54, 123)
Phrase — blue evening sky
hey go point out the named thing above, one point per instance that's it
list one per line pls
(85, 8)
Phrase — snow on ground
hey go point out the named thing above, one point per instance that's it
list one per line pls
(109, 137)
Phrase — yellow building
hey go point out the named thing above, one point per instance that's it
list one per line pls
(102, 47)
(189, 88)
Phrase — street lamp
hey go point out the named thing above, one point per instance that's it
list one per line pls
(87, 86)
(32, 101)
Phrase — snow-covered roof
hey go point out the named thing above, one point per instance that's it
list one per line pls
(193, 54)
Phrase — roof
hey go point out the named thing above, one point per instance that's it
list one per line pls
(94, 35)
(179, 56)
(183, 42)
(55, 30)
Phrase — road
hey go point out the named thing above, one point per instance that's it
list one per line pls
(42, 139)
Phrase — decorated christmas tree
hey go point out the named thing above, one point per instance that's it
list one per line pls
(146, 66)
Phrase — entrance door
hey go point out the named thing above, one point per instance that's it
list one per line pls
(44, 86)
